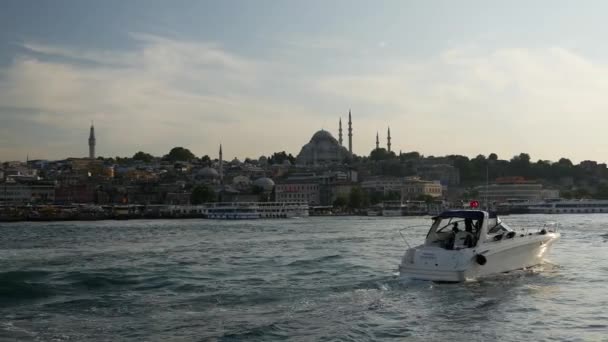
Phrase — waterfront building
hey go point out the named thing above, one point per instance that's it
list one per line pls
(298, 190)
(408, 187)
(75, 193)
(23, 192)
(515, 188)
(382, 184)
(414, 187)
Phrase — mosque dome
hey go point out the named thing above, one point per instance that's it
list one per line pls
(208, 172)
(323, 135)
(265, 183)
(323, 148)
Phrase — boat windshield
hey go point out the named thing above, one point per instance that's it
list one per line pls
(496, 227)
(454, 232)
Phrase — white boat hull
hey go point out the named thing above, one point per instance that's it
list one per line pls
(438, 264)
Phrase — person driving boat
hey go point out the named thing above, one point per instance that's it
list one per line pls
(466, 238)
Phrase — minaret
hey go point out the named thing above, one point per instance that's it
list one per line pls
(388, 140)
(340, 132)
(92, 142)
(350, 133)
(221, 166)
(377, 141)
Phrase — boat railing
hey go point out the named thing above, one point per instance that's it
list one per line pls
(551, 227)
(548, 227)
(409, 227)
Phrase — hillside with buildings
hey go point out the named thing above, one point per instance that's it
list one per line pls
(324, 173)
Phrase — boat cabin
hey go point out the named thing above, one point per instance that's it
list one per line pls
(459, 229)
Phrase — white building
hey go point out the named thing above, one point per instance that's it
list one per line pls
(515, 189)
(21, 193)
(382, 184)
(408, 187)
(414, 187)
(298, 191)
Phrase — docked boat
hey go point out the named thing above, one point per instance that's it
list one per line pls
(582, 206)
(255, 210)
(392, 208)
(469, 244)
(282, 209)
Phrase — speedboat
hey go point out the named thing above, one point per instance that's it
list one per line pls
(469, 244)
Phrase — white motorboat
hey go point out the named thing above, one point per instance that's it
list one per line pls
(469, 244)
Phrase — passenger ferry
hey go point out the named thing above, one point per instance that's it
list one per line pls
(582, 206)
(393, 208)
(255, 210)
(282, 209)
(409, 208)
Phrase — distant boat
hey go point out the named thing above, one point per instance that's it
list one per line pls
(255, 210)
(582, 206)
(393, 208)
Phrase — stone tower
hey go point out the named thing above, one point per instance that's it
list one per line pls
(92, 142)
(377, 141)
(221, 166)
(350, 133)
(340, 132)
(388, 140)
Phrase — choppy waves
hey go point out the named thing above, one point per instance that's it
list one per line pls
(309, 279)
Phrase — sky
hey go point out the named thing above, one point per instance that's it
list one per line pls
(448, 77)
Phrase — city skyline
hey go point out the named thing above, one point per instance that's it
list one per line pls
(468, 78)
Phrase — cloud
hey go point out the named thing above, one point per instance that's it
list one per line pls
(164, 92)
(547, 101)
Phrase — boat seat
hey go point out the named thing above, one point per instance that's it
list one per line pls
(464, 239)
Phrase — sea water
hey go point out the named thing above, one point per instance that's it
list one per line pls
(307, 279)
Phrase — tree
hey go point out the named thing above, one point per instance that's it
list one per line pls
(493, 156)
(145, 157)
(356, 198)
(426, 198)
(410, 155)
(280, 157)
(565, 162)
(206, 160)
(179, 154)
(376, 197)
(201, 194)
(381, 154)
(340, 202)
(392, 196)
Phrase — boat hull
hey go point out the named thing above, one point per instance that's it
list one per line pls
(437, 264)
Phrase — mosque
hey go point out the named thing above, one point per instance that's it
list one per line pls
(324, 149)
